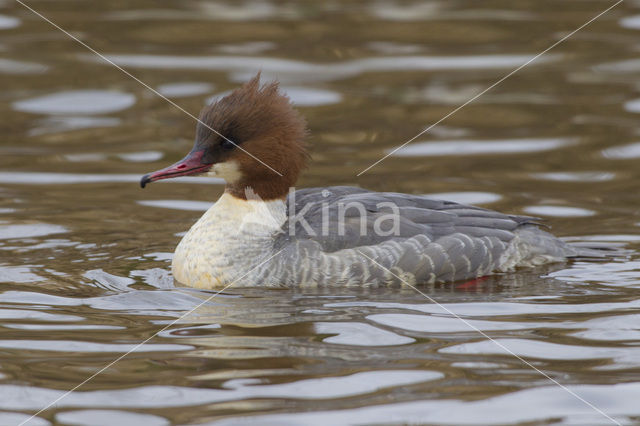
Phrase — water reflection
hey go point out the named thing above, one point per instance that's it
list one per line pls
(11, 66)
(8, 22)
(632, 106)
(108, 417)
(467, 197)
(179, 90)
(142, 156)
(300, 96)
(576, 176)
(178, 204)
(615, 400)
(624, 274)
(253, 10)
(622, 357)
(19, 418)
(8, 232)
(79, 347)
(404, 12)
(359, 334)
(292, 71)
(559, 211)
(57, 124)
(631, 22)
(479, 147)
(623, 152)
(38, 178)
(77, 102)
(172, 396)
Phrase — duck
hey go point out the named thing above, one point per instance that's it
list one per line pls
(262, 232)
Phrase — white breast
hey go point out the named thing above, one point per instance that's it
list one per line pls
(228, 242)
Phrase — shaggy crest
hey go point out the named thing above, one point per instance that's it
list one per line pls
(261, 121)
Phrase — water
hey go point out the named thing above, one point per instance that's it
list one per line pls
(85, 253)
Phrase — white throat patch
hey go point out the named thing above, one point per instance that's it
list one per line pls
(229, 171)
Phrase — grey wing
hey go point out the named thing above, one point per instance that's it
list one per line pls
(433, 240)
(342, 217)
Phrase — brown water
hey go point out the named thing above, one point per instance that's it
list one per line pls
(84, 252)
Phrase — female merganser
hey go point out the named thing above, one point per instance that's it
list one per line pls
(259, 233)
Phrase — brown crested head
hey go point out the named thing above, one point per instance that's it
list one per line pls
(252, 138)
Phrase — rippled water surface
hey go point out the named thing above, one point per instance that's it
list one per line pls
(85, 253)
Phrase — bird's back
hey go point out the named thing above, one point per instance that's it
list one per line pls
(346, 235)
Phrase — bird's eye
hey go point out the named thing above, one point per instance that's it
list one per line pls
(227, 145)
